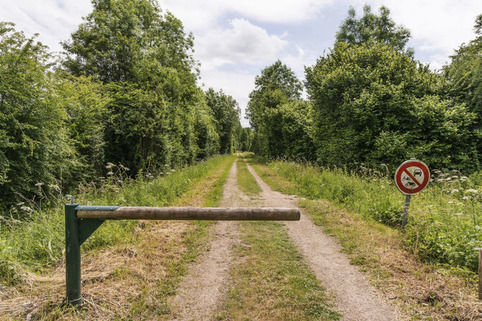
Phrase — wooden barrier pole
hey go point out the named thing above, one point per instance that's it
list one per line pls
(191, 213)
(82, 221)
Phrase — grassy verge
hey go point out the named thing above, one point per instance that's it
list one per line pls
(37, 242)
(134, 277)
(445, 219)
(246, 181)
(423, 291)
(271, 281)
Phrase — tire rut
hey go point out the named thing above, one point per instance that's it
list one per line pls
(201, 291)
(355, 298)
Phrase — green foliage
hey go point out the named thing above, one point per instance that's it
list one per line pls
(207, 135)
(372, 28)
(34, 145)
(465, 81)
(245, 141)
(145, 132)
(376, 105)
(225, 111)
(85, 103)
(146, 59)
(128, 40)
(275, 111)
(276, 85)
(294, 130)
(157, 116)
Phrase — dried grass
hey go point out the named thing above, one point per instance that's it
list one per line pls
(129, 281)
(422, 291)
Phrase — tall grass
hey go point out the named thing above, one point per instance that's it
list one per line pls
(37, 241)
(445, 224)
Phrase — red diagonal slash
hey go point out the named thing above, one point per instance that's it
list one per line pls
(411, 176)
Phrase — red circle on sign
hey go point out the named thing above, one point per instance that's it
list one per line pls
(406, 180)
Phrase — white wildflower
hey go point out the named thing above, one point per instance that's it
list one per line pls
(26, 209)
(471, 191)
(55, 187)
(454, 191)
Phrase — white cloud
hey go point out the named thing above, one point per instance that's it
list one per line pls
(279, 11)
(199, 14)
(53, 20)
(242, 43)
(235, 83)
(437, 26)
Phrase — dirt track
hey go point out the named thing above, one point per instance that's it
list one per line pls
(202, 290)
(206, 283)
(355, 298)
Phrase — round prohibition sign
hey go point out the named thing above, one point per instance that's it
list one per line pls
(412, 177)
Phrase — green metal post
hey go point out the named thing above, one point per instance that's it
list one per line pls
(72, 255)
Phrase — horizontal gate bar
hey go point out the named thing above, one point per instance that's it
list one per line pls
(190, 213)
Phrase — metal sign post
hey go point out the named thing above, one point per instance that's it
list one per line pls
(82, 221)
(411, 177)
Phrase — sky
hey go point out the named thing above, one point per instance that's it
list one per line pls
(236, 40)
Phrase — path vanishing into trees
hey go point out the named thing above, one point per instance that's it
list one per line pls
(203, 289)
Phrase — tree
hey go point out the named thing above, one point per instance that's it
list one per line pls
(36, 154)
(246, 139)
(277, 85)
(376, 105)
(85, 102)
(145, 58)
(207, 134)
(465, 80)
(373, 28)
(225, 111)
(294, 130)
(127, 40)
